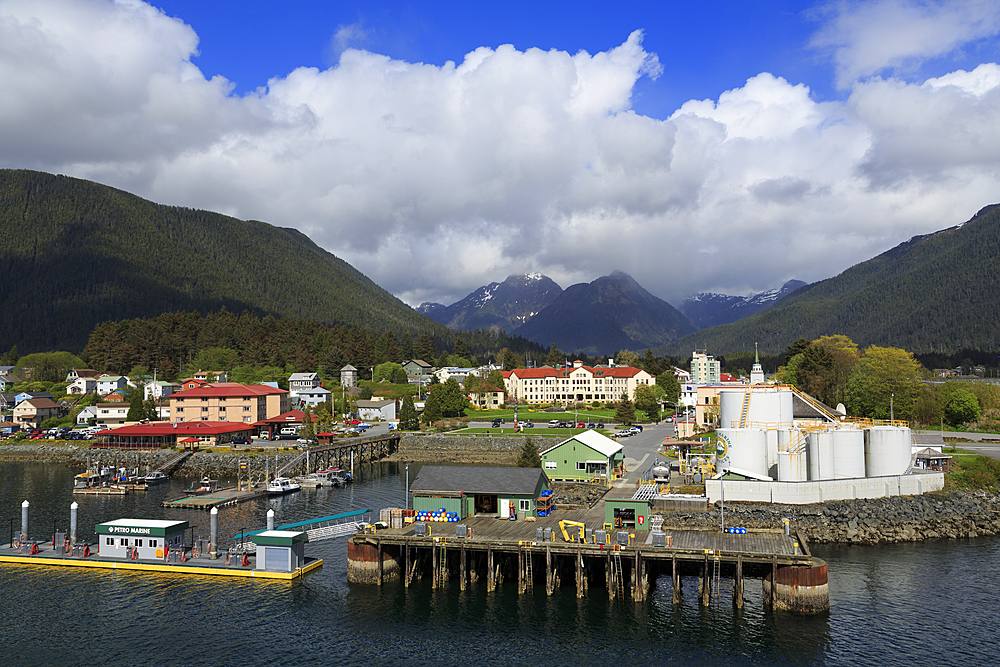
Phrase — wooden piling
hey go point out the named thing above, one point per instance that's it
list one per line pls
(406, 563)
(490, 582)
(378, 547)
(549, 579)
(676, 575)
(738, 583)
(579, 573)
(774, 578)
(434, 565)
(706, 583)
(462, 568)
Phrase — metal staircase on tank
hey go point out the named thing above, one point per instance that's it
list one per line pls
(746, 408)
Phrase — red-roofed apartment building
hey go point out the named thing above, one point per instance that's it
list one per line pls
(228, 402)
(580, 383)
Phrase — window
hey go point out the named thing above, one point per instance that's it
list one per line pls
(109, 541)
(580, 465)
(124, 542)
(524, 505)
(152, 544)
(550, 464)
(138, 543)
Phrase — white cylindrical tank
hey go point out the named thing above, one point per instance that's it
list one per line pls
(767, 405)
(745, 449)
(772, 452)
(888, 450)
(820, 448)
(791, 466)
(848, 453)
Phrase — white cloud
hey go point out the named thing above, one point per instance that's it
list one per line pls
(436, 180)
(868, 38)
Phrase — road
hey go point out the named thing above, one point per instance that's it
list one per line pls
(640, 450)
(990, 449)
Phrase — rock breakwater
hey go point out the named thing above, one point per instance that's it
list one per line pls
(865, 521)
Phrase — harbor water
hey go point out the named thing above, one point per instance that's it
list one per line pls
(932, 603)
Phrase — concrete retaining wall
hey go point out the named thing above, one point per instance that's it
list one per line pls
(805, 493)
(486, 449)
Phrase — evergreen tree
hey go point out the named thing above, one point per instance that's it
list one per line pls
(649, 363)
(625, 412)
(668, 382)
(555, 357)
(425, 349)
(408, 420)
(406, 348)
(308, 430)
(432, 408)
(529, 456)
(149, 409)
(135, 408)
(460, 349)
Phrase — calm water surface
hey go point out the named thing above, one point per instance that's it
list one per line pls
(925, 604)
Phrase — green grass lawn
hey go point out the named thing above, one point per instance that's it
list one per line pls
(508, 430)
(595, 416)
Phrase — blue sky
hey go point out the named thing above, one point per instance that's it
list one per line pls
(438, 147)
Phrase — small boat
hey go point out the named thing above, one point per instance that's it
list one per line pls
(206, 485)
(155, 477)
(317, 479)
(282, 485)
(341, 476)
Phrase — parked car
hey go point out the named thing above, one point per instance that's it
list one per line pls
(624, 433)
(240, 441)
(563, 425)
(528, 424)
(599, 425)
(554, 423)
(591, 425)
(497, 422)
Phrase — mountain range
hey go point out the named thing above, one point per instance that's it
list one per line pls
(707, 309)
(505, 305)
(75, 253)
(936, 293)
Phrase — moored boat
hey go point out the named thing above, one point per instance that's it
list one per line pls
(282, 485)
(155, 477)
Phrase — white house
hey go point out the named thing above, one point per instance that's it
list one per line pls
(109, 383)
(82, 385)
(159, 390)
(384, 409)
(448, 372)
(312, 397)
(86, 414)
(298, 382)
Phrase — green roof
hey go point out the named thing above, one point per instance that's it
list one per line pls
(141, 527)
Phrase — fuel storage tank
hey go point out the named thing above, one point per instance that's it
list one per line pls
(819, 444)
(792, 466)
(888, 450)
(848, 453)
(742, 448)
(770, 405)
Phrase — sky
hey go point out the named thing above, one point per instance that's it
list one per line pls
(438, 147)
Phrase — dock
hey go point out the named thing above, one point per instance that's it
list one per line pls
(530, 552)
(48, 556)
(218, 498)
(101, 491)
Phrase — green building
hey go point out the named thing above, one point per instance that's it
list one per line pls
(478, 491)
(625, 512)
(585, 457)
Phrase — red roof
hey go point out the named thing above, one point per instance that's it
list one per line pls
(601, 372)
(189, 440)
(228, 389)
(290, 417)
(179, 428)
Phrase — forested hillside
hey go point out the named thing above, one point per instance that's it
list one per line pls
(938, 293)
(169, 343)
(75, 253)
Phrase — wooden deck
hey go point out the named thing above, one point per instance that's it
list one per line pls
(503, 535)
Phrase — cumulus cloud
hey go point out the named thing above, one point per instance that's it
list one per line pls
(868, 38)
(434, 180)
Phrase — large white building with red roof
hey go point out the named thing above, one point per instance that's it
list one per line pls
(579, 383)
(229, 402)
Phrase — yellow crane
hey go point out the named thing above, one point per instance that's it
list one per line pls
(579, 531)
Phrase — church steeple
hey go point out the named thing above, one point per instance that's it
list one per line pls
(757, 372)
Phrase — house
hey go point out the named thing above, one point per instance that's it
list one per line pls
(228, 401)
(108, 383)
(169, 435)
(584, 457)
(7, 380)
(117, 396)
(312, 397)
(348, 376)
(34, 411)
(447, 372)
(487, 398)
(579, 383)
(384, 409)
(77, 373)
(7, 401)
(159, 390)
(85, 414)
(192, 383)
(27, 395)
(212, 376)
(111, 414)
(82, 385)
(301, 381)
(416, 368)
(932, 459)
(478, 491)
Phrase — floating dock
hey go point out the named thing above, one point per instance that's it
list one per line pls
(50, 557)
(219, 498)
